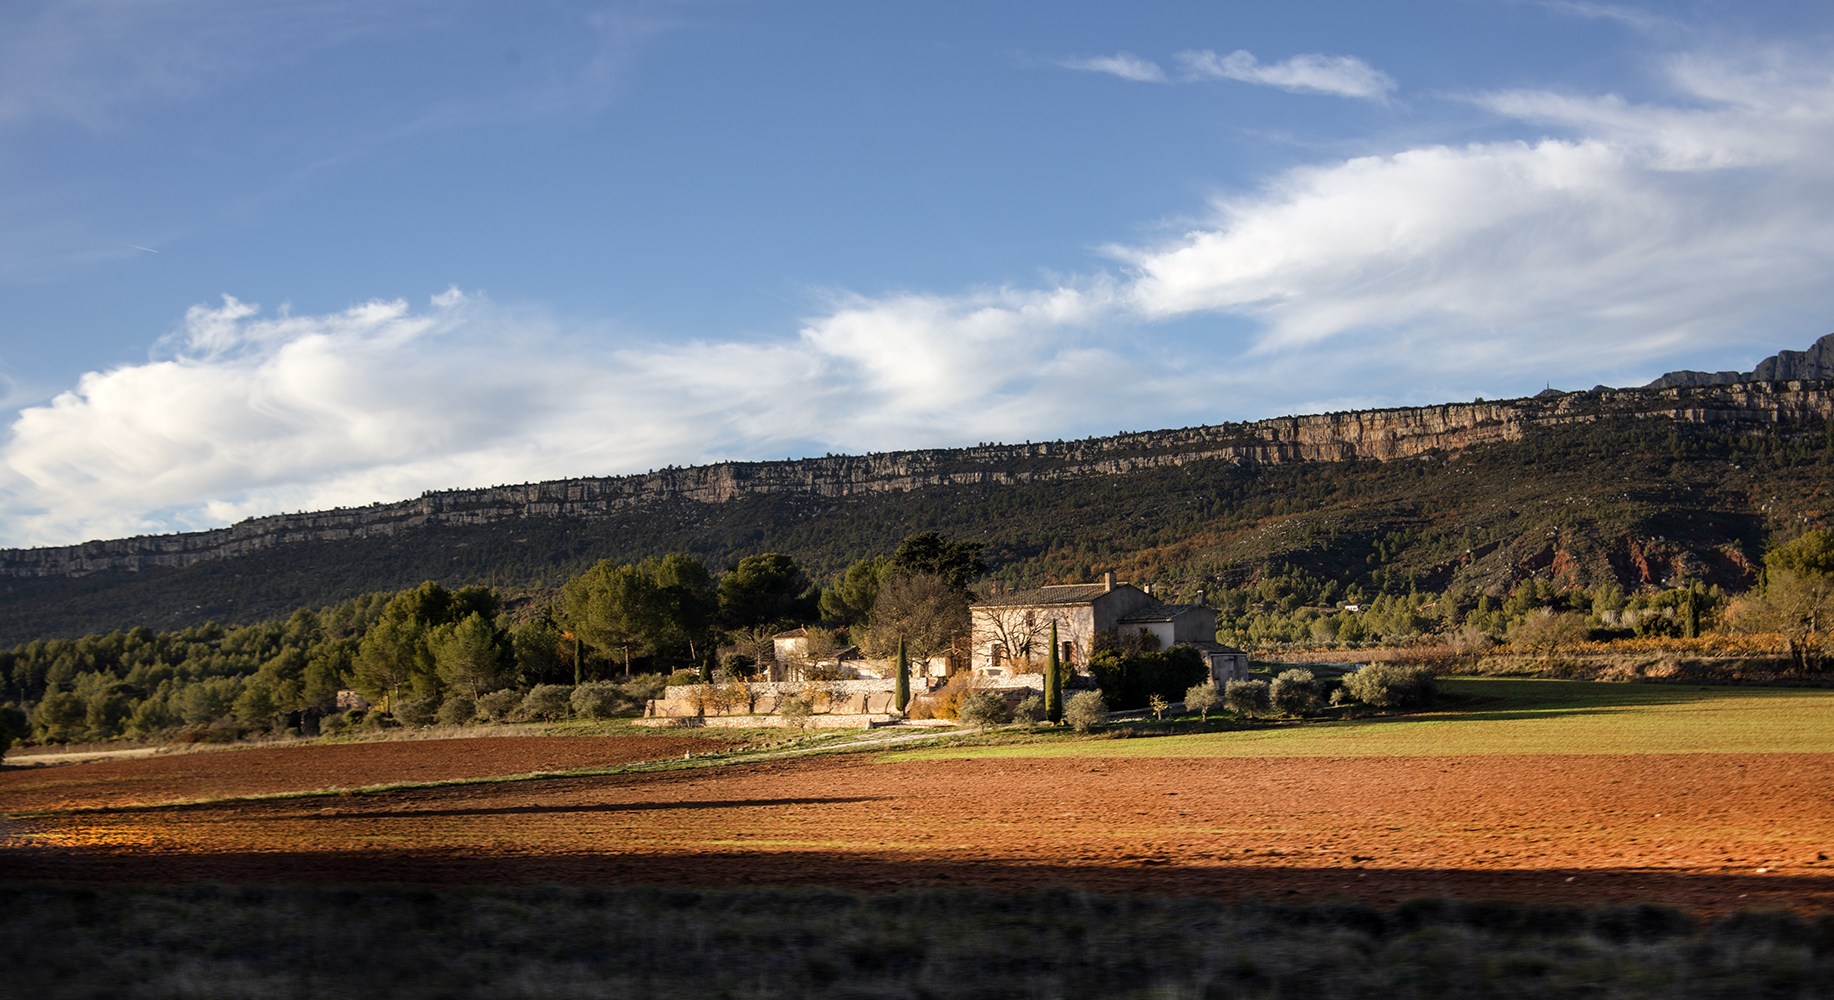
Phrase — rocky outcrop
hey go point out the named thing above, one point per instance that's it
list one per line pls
(1378, 435)
(1815, 363)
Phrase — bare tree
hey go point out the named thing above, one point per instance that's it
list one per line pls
(759, 645)
(1795, 597)
(1020, 633)
(819, 647)
(1470, 641)
(1546, 631)
(922, 609)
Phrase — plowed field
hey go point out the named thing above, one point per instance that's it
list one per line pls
(264, 771)
(1711, 832)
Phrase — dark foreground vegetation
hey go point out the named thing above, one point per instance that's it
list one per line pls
(215, 941)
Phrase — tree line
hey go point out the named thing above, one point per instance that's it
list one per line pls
(416, 649)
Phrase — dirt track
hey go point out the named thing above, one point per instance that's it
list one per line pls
(1693, 830)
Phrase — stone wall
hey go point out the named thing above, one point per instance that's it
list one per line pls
(863, 697)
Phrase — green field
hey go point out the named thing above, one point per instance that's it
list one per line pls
(1505, 716)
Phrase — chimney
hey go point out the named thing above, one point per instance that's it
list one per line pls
(999, 587)
(1148, 588)
(1200, 599)
(1107, 581)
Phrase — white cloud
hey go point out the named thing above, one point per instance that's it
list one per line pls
(1345, 76)
(1643, 228)
(251, 415)
(1125, 65)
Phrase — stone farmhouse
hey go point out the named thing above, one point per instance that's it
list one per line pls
(1011, 629)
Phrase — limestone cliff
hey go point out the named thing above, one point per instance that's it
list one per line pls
(1378, 435)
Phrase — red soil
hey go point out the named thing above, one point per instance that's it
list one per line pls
(1693, 830)
(264, 770)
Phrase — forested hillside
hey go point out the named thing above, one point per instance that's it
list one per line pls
(1637, 501)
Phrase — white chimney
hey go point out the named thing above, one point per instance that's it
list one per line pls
(1107, 581)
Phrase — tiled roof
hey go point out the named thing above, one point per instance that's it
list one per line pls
(1068, 593)
(1161, 612)
(795, 633)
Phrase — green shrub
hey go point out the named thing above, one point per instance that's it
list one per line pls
(1294, 692)
(982, 708)
(644, 687)
(597, 700)
(1029, 712)
(499, 706)
(682, 678)
(337, 722)
(417, 711)
(1248, 699)
(737, 664)
(548, 701)
(1130, 681)
(375, 720)
(1086, 710)
(1391, 685)
(457, 710)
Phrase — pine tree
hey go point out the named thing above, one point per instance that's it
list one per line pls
(901, 695)
(1053, 682)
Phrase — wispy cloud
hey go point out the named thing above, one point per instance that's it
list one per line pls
(99, 64)
(96, 63)
(1345, 76)
(1125, 65)
(1642, 20)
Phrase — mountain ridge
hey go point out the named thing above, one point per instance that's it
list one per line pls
(1382, 435)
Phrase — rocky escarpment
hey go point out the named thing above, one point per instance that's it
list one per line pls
(1379, 435)
(1815, 363)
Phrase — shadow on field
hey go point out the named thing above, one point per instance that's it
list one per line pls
(1700, 892)
(340, 813)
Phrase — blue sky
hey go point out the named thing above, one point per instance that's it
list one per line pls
(258, 257)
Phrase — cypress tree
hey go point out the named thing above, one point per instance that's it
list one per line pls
(1053, 684)
(901, 695)
(706, 670)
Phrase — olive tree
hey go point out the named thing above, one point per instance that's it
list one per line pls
(1085, 711)
(1248, 699)
(1294, 692)
(1202, 699)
